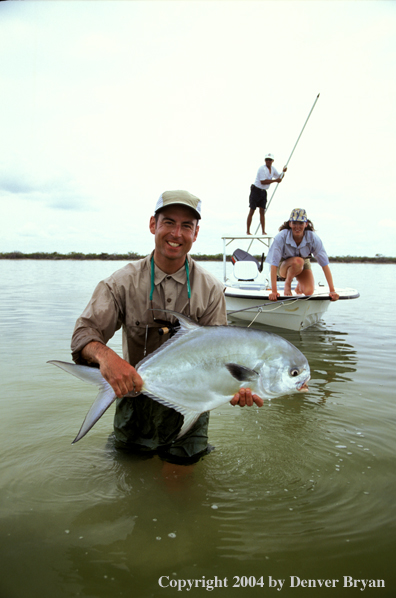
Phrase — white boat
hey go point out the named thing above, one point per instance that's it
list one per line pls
(247, 292)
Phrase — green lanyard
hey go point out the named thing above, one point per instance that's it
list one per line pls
(152, 279)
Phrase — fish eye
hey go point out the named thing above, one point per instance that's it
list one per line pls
(294, 372)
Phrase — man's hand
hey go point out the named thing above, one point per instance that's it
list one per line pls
(245, 397)
(121, 376)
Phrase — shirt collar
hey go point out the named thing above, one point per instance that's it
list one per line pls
(179, 276)
(291, 241)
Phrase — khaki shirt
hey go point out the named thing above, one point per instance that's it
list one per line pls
(123, 300)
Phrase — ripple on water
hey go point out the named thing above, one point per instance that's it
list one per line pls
(299, 473)
(58, 473)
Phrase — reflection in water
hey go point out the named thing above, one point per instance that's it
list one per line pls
(330, 357)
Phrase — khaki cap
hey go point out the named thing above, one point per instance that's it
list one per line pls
(184, 198)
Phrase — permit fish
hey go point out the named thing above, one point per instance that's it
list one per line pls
(202, 367)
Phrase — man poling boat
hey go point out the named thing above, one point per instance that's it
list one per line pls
(266, 206)
(266, 175)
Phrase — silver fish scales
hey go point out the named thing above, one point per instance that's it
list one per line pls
(202, 367)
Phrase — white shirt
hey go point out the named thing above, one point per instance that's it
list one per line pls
(264, 174)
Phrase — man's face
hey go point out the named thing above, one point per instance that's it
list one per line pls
(175, 231)
(268, 162)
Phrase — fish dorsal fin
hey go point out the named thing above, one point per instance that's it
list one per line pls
(241, 373)
(186, 325)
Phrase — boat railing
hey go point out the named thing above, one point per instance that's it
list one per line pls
(263, 239)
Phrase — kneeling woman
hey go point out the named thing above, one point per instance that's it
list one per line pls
(289, 254)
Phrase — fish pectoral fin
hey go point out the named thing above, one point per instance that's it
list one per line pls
(241, 373)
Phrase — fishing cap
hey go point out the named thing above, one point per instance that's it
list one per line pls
(298, 215)
(184, 198)
(270, 157)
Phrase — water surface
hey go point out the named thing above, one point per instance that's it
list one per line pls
(303, 487)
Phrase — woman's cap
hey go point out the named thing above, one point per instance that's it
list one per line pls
(184, 198)
(298, 215)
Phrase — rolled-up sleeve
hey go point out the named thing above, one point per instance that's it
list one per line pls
(216, 312)
(208, 304)
(98, 322)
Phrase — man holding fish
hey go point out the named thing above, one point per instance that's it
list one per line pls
(134, 298)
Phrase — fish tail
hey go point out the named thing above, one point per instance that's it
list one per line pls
(104, 399)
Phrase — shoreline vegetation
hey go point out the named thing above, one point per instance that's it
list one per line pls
(218, 257)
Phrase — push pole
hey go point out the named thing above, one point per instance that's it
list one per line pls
(295, 145)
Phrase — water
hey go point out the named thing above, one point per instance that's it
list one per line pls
(301, 489)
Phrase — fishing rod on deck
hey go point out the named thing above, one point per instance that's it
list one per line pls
(292, 152)
(274, 304)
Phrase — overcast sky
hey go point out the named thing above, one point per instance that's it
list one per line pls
(104, 105)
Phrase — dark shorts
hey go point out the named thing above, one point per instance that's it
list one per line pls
(257, 198)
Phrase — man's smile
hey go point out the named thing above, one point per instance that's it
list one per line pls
(175, 229)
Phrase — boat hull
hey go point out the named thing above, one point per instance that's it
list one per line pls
(291, 313)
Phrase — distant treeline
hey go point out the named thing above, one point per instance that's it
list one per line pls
(77, 255)
(218, 257)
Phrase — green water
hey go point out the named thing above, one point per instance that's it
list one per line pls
(300, 491)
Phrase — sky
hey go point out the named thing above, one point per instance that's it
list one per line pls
(105, 104)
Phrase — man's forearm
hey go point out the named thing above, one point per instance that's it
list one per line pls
(95, 352)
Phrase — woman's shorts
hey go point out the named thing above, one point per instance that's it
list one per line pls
(307, 266)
